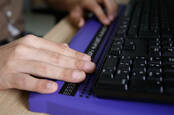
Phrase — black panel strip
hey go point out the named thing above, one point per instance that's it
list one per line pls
(70, 89)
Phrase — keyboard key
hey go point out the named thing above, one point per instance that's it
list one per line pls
(130, 46)
(139, 48)
(123, 68)
(138, 86)
(169, 76)
(107, 80)
(168, 61)
(111, 63)
(138, 75)
(169, 90)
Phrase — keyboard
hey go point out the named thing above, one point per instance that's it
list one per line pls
(139, 64)
(134, 65)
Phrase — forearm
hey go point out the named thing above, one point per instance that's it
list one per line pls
(62, 4)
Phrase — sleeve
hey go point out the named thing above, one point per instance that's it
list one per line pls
(16, 8)
(4, 33)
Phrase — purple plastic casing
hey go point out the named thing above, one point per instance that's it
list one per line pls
(58, 104)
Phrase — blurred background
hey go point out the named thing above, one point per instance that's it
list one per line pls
(39, 18)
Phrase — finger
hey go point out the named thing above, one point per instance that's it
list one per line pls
(29, 83)
(81, 22)
(57, 59)
(54, 47)
(115, 6)
(76, 17)
(97, 10)
(45, 70)
(111, 8)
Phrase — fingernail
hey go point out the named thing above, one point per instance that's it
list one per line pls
(106, 21)
(78, 75)
(89, 66)
(81, 23)
(51, 86)
(65, 44)
(111, 17)
(87, 58)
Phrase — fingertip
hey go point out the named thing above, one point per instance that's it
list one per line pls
(111, 17)
(89, 67)
(106, 21)
(51, 87)
(94, 68)
(66, 45)
(76, 17)
(78, 76)
(81, 23)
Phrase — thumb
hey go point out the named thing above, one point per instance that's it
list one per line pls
(76, 17)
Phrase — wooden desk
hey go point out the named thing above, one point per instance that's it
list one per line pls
(15, 102)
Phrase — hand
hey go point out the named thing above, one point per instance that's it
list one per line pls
(77, 12)
(32, 56)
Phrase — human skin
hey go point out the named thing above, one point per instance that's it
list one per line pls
(31, 56)
(77, 9)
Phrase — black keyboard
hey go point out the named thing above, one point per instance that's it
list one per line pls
(139, 64)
